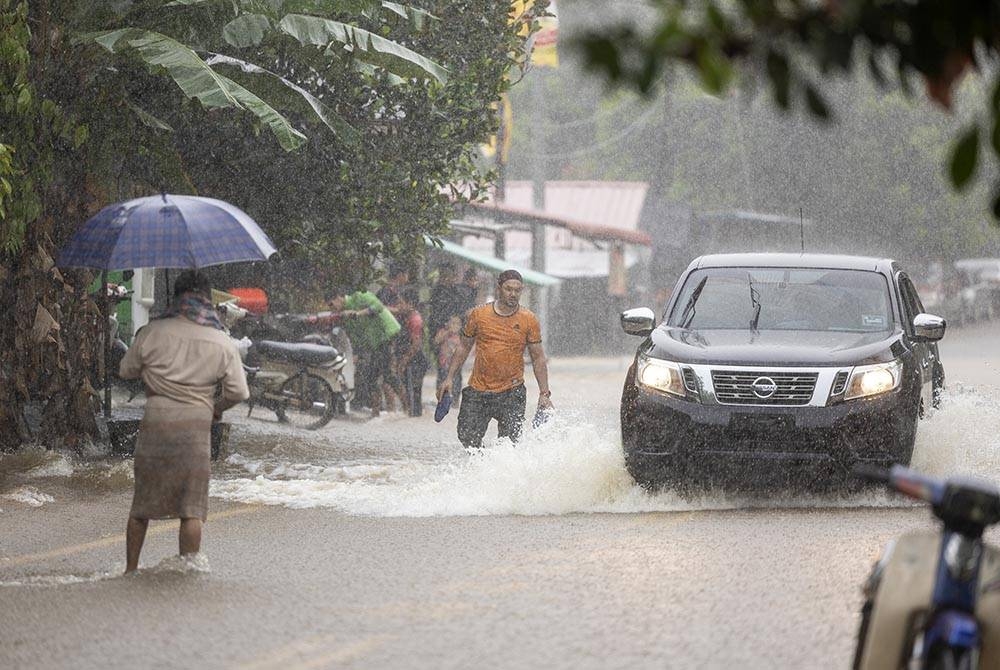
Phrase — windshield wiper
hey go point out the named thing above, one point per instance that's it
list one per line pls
(688, 314)
(755, 302)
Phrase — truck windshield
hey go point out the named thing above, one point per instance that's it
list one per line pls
(784, 299)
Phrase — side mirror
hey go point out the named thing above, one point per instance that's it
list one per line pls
(929, 327)
(638, 321)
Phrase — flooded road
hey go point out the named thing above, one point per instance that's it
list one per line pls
(383, 544)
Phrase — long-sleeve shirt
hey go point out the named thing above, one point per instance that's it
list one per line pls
(184, 361)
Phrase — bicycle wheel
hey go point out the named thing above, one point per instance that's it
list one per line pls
(305, 400)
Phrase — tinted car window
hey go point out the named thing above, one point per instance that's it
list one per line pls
(910, 298)
(789, 299)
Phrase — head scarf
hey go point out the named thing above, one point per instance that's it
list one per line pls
(196, 308)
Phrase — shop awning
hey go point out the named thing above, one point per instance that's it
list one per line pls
(491, 263)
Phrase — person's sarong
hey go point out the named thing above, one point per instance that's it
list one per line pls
(172, 461)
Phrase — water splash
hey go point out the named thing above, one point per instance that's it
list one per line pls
(62, 580)
(191, 564)
(28, 495)
(962, 436)
(570, 464)
(187, 564)
(79, 471)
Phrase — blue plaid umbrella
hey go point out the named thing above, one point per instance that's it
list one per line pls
(166, 231)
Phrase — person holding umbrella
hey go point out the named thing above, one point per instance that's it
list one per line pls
(181, 357)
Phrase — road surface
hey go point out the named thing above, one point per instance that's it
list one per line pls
(381, 544)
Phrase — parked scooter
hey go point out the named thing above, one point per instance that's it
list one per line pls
(932, 601)
(303, 383)
(118, 349)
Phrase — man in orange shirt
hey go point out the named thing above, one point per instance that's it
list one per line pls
(500, 331)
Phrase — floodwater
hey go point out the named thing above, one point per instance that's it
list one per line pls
(412, 467)
(382, 544)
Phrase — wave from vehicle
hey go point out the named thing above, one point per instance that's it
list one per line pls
(572, 465)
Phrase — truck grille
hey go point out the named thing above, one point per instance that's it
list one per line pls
(736, 387)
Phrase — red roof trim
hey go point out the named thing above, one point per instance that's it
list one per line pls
(587, 231)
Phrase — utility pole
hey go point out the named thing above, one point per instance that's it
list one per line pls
(539, 296)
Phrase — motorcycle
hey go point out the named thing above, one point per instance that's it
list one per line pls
(304, 383)
(932, 601)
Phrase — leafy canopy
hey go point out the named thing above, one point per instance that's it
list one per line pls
(183, 39)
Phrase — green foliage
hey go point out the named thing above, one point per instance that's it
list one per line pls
(112, 99)
(964, 157)
(340, 208)
(937, 41)
(25, 164)
(211, 27)
(872, 182)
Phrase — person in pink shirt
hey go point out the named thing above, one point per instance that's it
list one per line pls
(411, 363)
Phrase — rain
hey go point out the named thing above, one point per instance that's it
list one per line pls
(384, 165)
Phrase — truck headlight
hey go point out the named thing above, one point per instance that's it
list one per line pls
(869, 380)
(662, 376)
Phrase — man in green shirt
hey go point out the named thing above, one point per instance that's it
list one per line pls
(371, 327)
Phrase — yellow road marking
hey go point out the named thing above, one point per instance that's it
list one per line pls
(156, 528)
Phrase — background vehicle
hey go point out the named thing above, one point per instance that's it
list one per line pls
(930, 594)
(305, 382)
(771, 359)
(291, 385)
(978, 289)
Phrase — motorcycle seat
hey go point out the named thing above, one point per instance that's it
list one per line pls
(303, 353)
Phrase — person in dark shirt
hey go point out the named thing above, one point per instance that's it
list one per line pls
(447, 298)
(469, 289)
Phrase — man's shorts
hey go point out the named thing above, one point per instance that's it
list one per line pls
(480, 407)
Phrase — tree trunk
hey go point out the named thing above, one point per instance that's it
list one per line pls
(48, 349)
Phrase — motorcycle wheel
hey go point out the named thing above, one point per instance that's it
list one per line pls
(307, 401)
(945, 658)
(343, 395)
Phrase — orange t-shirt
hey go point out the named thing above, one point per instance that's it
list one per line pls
(500, 343)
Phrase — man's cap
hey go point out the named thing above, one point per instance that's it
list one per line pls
(507, 275)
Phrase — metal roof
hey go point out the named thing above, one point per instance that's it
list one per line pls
(491, 262)
(509, 214)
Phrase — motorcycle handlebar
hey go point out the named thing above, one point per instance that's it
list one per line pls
(904, 480)
(870, 473)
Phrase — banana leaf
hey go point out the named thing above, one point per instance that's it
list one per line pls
(365, 45)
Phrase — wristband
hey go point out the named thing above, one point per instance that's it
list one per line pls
(545, 394)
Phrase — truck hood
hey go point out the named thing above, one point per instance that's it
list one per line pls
(773, 347)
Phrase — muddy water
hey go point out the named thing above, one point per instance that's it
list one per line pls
(412, 467)
(572, 464)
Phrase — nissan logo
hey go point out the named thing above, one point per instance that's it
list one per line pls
(763, 387)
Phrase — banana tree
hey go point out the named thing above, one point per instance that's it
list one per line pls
(218, 52)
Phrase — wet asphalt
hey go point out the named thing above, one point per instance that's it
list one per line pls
(384, 547)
